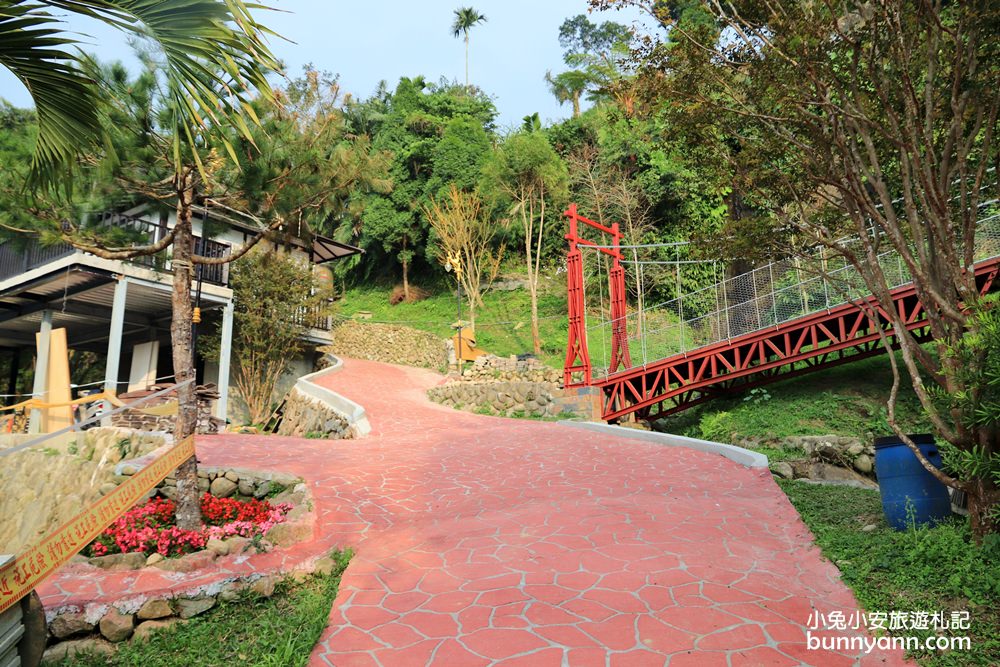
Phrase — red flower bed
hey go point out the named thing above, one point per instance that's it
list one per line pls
(148, 528)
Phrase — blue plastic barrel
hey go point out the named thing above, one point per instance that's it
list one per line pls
(910, 494)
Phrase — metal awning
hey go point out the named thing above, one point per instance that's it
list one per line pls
(80, 299)
(327, 250)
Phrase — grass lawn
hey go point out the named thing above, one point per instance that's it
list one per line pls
(503, 323)
(279, 631)
(846, 400)
(927, 569)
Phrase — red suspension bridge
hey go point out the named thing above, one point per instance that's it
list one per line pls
(783, 319)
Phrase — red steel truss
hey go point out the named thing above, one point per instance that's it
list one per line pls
(842, 334)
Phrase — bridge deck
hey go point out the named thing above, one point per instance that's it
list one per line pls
(841, 334)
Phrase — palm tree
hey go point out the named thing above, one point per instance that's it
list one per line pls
(214, 52)
(568, 86)
(465, 19)
(215, 60)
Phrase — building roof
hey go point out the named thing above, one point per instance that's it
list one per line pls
(327, 250)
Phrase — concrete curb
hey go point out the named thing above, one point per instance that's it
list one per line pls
(356, 416)
(744, 457)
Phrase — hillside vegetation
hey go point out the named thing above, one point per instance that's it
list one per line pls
(502, 323)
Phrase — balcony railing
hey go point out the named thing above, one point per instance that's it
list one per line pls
(317, 317)
(17, 258)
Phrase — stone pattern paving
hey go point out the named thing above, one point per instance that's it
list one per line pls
(485, 541)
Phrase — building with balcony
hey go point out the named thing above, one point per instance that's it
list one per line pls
(121, 310)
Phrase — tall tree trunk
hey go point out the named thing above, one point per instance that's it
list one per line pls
(406, 275)
(983, 498)
(984, 494)
(466, 60)
(188, 503)
(528, 217)
(576, 104)
(536, 339)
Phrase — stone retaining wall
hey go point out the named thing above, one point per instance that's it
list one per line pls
(45, 486)
(492, 367)
(502, 398)
(388, 343)
(580, 403)
(98, 630)
(306, 416)
(830, 459)
(223, 482)
(315, 411)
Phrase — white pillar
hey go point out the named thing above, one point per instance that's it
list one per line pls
(40, 387)
(115, 339)
(225, 352)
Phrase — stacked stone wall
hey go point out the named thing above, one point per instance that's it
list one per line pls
(388, 343)
(305, 416)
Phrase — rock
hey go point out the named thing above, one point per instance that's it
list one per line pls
(187, 608)
(153, 609)
(57, 653)
(232, 476)
(782, 469)
(828, 472)
(146, 628)
(116, 626)
(218, 546)
(67, 625)
(855, 449)
(325, 566)
(222, 487)
(245, 487)
(188, 563)
(107, 488)
(153, 558)
(203, 485)
(864, 464)
(128, 469)
(828, 451)
(289, 533)
(264, 586)
(230, 591)
(132, 561)
(869, 528)
(236, 545)
(261, 489)
(284, 480)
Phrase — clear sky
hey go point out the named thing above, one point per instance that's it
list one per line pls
(366, 42)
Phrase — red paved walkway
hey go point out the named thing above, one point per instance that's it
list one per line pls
(485, 541)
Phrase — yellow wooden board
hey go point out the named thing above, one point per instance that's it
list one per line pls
(57, 390)
(36, 563)
(467, 346)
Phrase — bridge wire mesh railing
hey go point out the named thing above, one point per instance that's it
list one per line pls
(764, 297)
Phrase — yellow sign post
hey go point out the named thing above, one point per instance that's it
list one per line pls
(36, 563)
